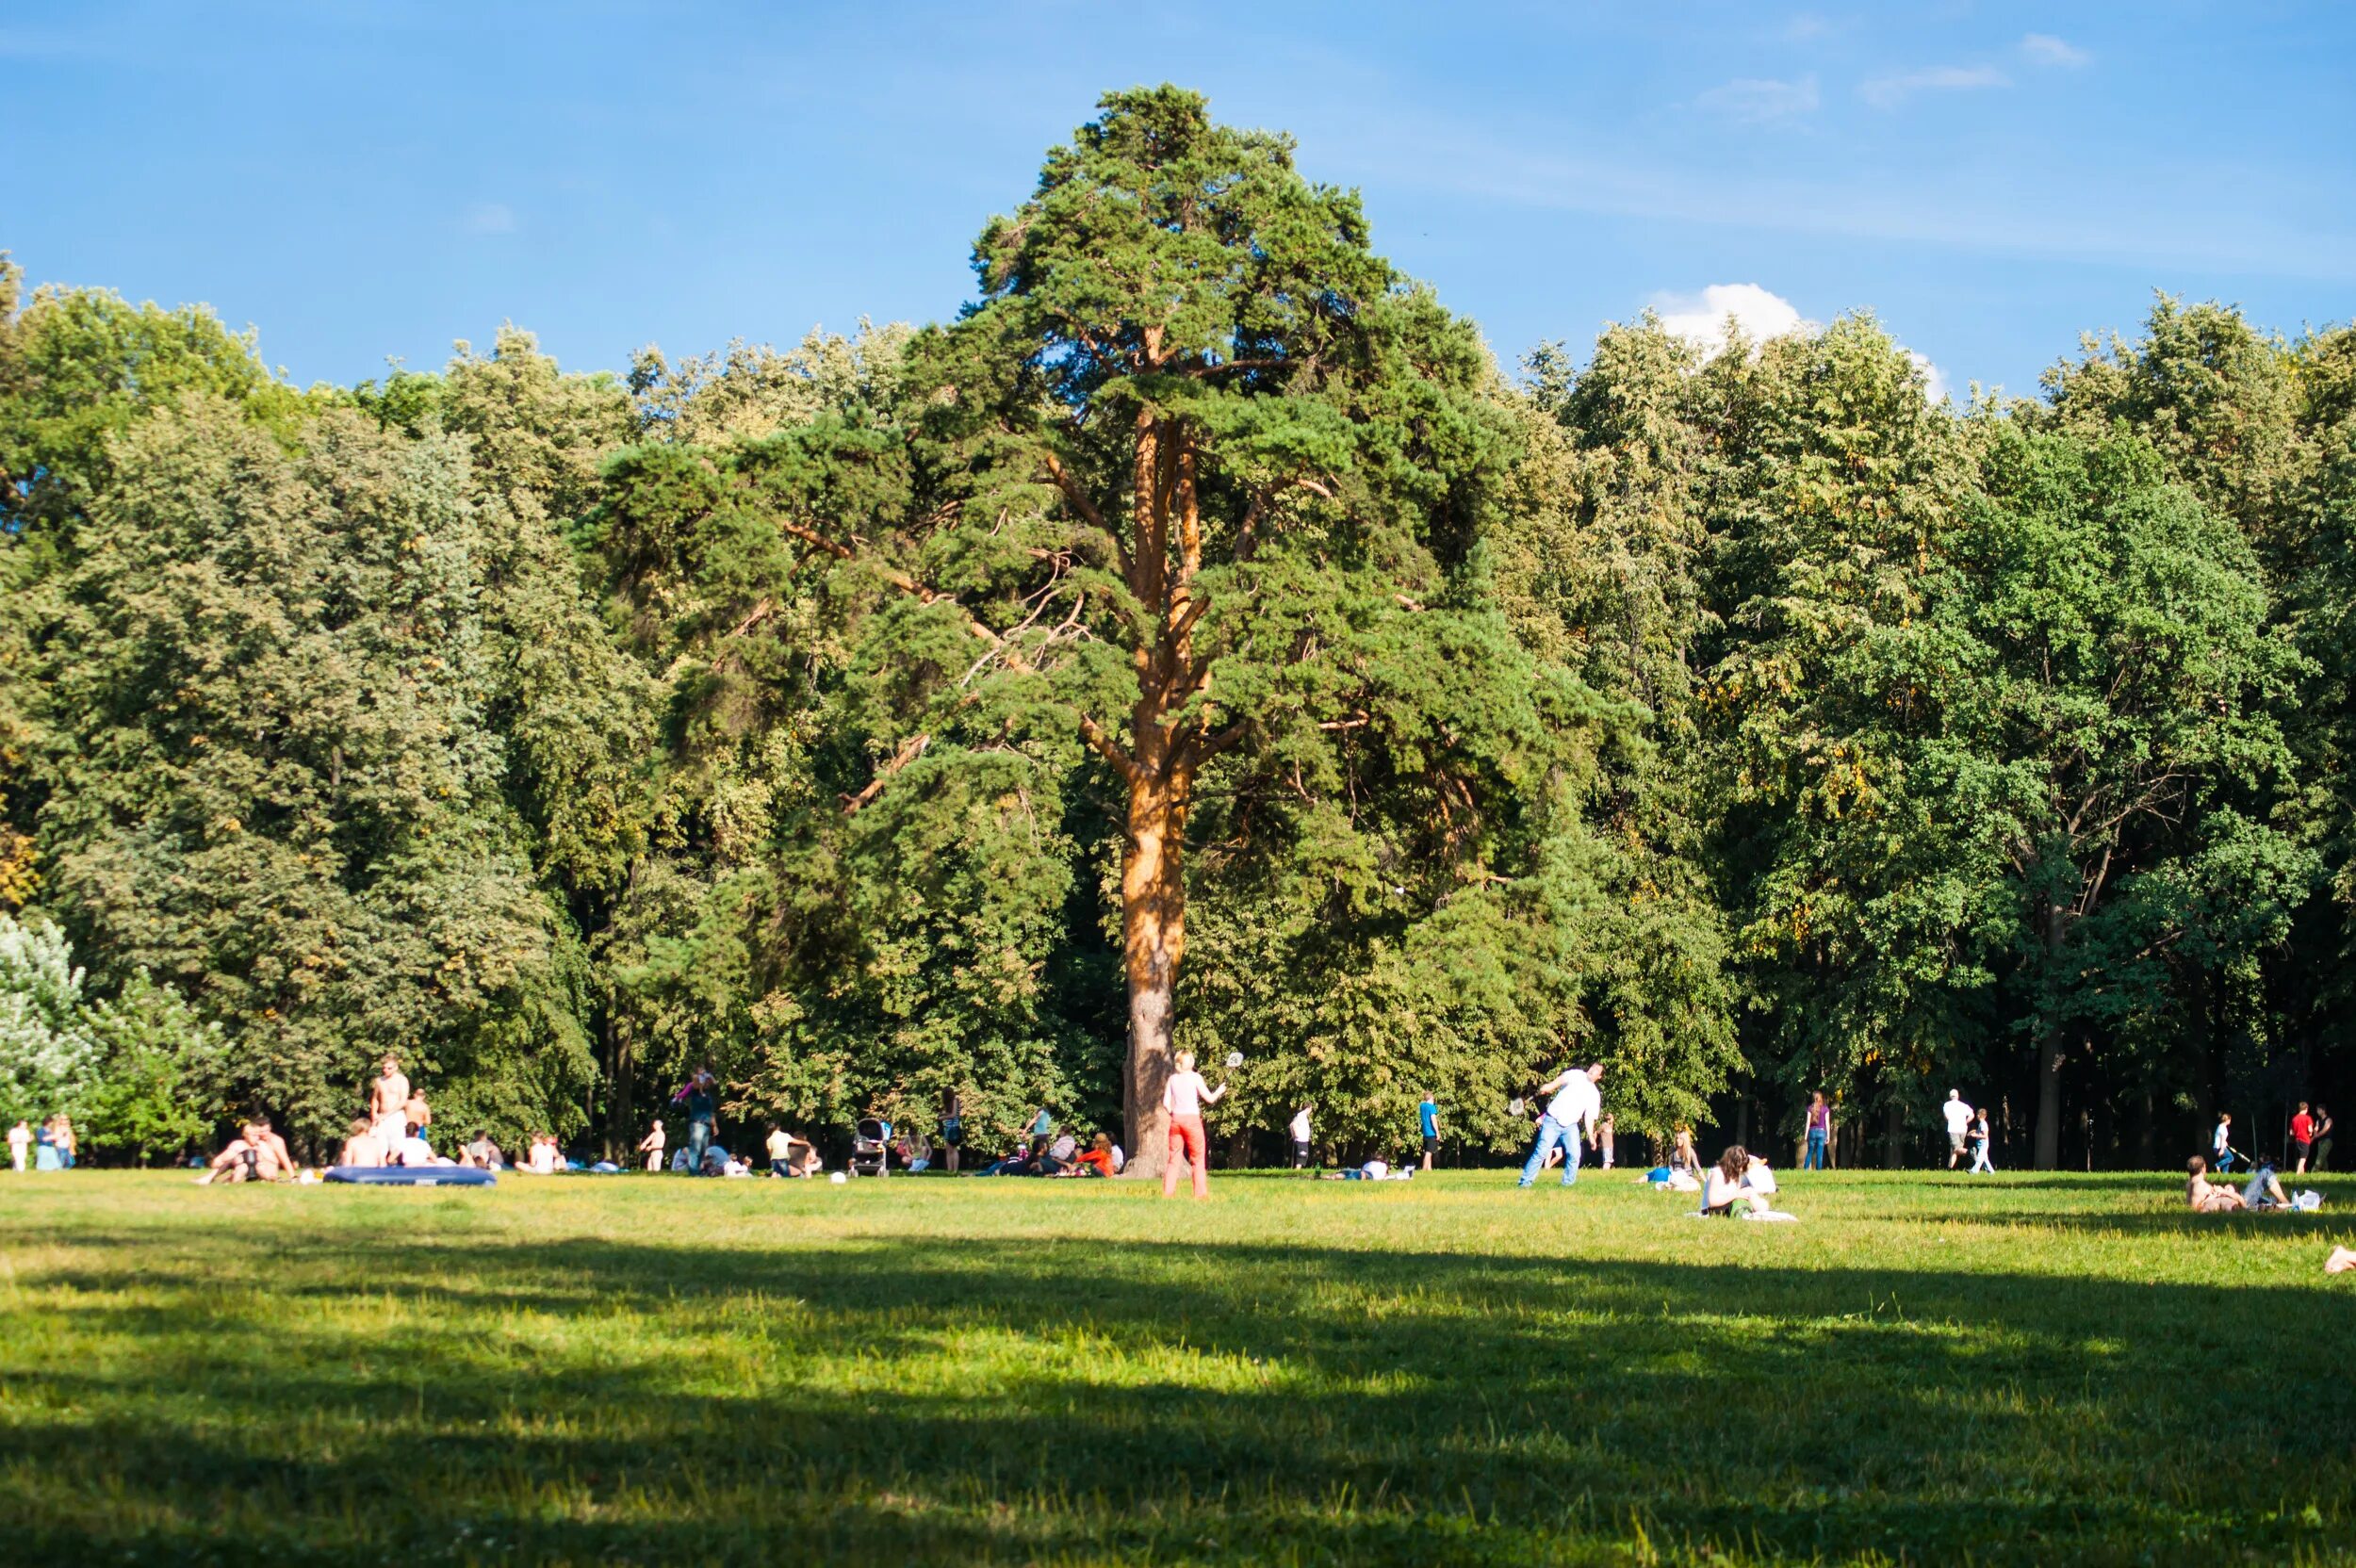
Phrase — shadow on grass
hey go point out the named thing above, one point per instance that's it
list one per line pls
(596, 1399)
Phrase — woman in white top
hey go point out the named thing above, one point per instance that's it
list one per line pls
(1183, 1098)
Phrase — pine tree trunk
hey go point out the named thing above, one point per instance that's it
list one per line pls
(1154, 938)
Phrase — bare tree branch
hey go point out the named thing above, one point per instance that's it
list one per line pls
(907, 754)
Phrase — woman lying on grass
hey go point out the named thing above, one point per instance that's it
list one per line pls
(2207, 1196)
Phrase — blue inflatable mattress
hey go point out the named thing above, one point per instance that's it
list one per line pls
(411, 1176)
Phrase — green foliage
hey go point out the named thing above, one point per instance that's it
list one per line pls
(157, 1092)
(48, 1056)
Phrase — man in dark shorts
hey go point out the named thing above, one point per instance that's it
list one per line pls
(2303, 1138)
(1428, 1113)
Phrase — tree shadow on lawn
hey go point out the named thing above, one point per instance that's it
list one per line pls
(1065, 1399)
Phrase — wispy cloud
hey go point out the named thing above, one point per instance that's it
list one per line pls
(1888, 92)
(490, 218)
(2045, 49)
(1806, 26)
(1760, 101)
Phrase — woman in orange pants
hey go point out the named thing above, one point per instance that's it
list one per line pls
(1183, 1098)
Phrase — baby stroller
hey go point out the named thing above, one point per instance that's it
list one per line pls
(871, 1148)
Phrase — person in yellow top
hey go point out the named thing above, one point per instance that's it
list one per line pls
(780, 1150)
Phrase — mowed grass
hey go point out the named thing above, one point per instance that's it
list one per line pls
(1927, 1368)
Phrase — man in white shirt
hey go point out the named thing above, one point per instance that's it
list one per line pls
(1299, 1131)
(1573, 1110)
(1958, 1116)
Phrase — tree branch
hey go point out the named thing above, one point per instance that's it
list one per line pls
(1108, 749)
(907, 754)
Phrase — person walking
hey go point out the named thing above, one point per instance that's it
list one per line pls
(1183, 1098)
(1958, 1116)
(2221, 1146)
(1575, 1104)
(1428, 1114)
(2303, 1138)
(2323, 1139)
(1819, 1133)
(703, 1117)
(1980, 1161)
(1300, 1133)
(20, 1139)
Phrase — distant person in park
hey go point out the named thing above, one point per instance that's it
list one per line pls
(2207, 1196)
(1096, 1159)
(703, 1115)
(2264, 1188)
(481, 1153)
(1980, 1162)
(1682, 1156)
(361, 1149)
(1043, 1128)
(1183, 1099)
(780, 1147)
(1958, 1116)
(414, 1109)
(257, 1154)
(20, 1139)
(389, 1103)
(651, 1145)
(952, 1129)
(1741, 1180)
(1572, 1112)
(1607, 1132)
(1819, 1133)
(2303, 1138)
(2221, 1146)
(1427, 1117)
(1298, 1131)
(2323, 1141)
(62, 1135)
(413, 1150)
(45, 1147)
(546, 1159)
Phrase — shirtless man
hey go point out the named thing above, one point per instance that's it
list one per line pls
(2207, 1196)
(388, 1104)
(254, 1155)
(414, 1109)
(361, 1148)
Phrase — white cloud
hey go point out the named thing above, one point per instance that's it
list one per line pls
(490, 218)
(1934, 380)
(1888, 92)
(1760, 101)
(1806, 26)
(2045, 49)
(1701, 318)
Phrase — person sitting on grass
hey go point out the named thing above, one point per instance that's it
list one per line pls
(257, 1154)
(1739, 1182)
(2264, 1188)
(360, 1146)
(1095, 1160)
(413, 1150)
(481, 1153)
(1682, 1157)
(2207, 1196)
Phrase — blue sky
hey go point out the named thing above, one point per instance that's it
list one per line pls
(361, 180)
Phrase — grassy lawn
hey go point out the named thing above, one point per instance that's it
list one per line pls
(2017, 1369)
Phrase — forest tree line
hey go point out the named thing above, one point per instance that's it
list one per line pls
(1201, 643)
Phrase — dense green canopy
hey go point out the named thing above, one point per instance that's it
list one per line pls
(1199, 644)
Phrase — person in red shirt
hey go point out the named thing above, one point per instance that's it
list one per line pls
(2302, 1138)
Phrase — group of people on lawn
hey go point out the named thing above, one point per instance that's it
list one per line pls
(51, 1147)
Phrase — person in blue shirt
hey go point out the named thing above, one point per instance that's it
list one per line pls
(1428, 1112)
(703, 1117)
